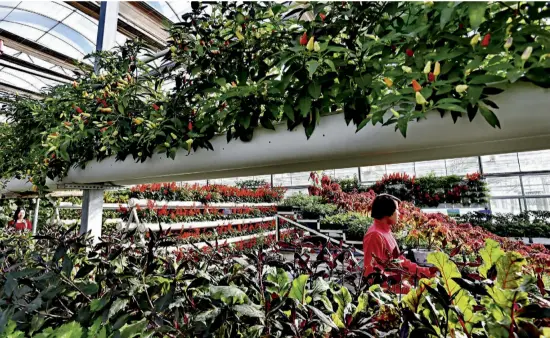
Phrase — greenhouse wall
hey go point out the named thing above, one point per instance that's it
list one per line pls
(517, 181)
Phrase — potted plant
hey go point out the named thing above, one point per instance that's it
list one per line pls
(297, 202)
(316, 211)
(425, 236)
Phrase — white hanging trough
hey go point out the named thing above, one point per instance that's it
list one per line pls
(524, 115)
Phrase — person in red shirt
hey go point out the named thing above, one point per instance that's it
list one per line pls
(19, 222)
(379, 241)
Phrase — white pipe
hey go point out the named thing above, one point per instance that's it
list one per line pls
(523, 115)
(35, 218)
(200, 225)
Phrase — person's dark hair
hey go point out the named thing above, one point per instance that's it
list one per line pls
(384, 205)
(17, 211)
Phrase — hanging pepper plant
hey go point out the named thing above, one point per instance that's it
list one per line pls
(236, 67)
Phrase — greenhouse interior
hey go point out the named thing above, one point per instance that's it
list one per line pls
(274, 169)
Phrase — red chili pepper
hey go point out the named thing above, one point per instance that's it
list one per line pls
(486, 40)
(460, 26)
(416, 86)
(190, 126)
(322, 16)
(431, 77)
(410, 52)
(303, 39)
(155, 107)
(78, 110)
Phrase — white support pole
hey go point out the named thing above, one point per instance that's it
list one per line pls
(92, 212)
(92, 199)
(35, 217)
(107, 27)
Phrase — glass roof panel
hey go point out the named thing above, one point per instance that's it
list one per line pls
(173, 10)
(83, 24)
(49, 9)
(32, 80)
(164, 9)
(76, 40)
(60, 46)
(8, 77)
(31, 19)
(22, 30)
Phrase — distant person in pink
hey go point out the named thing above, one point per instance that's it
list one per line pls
(379, 240)
(19, 222)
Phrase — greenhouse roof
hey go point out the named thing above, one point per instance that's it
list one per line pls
(43, 40)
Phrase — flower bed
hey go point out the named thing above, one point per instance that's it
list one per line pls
(430, 191)
(118, 289)
(531, 224)
(207, 193)
(430, 230)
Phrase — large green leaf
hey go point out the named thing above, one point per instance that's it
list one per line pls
(447, 269)
(228, 294)
(489, 116)
(414, 298)
(490, 254)
(134, 329)
(69, 330)
(314, 89)
(476, 12)
(312, 66)
(249, 310)
(509, 270)
(280, 279)
(446, 14)
(305, 105)
(298, 289)
(117, 305)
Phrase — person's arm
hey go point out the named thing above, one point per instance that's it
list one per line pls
(373, 243)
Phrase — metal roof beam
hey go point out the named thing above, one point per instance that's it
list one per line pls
(37, 50)
(136, 20)
(33, 69)
(8, 88)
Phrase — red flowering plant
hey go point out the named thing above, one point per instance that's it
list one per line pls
(155, 214)
(207, 193)
(431, 191)
(331, 192)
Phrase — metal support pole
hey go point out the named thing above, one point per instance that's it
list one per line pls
(35, 217)
(107, 27)
(277, 229)
(92, 213)
(92, 199)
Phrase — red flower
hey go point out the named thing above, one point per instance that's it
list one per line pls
(155, 107)
(303, 39)
(409, 52)
(322, 16)
(486, 40)
(431, 77)
(190, 126)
